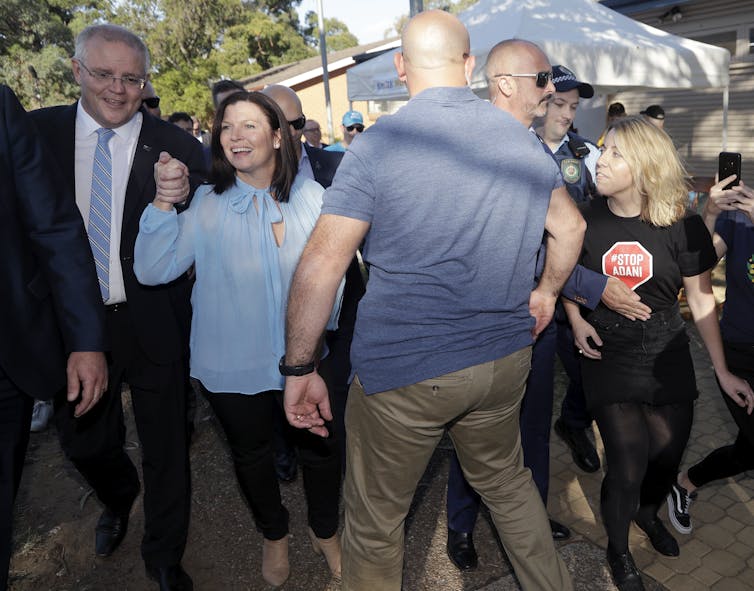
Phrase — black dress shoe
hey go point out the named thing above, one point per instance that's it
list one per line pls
(559, 531)
(170, 578)
(659, 536)
(109, 533)
(286, 465)
(582, 449)
(624, 572)
(461, 550)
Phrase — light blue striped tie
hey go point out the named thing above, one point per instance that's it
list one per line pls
(99, 210)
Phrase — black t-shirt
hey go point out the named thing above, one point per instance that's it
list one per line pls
(648, 259)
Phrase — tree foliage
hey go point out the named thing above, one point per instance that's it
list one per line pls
(192, 44)
(452, 6)
(337, 35)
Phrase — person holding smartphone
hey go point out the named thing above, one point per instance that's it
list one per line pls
(729, 217)
(638, 375)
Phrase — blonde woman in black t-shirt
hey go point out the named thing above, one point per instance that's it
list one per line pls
(638, 375)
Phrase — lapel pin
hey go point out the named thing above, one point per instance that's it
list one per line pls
(146, 148)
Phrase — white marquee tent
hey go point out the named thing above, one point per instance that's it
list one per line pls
(603, 47)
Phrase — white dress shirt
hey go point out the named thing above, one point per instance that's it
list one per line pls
(122, 148)
(305, 165)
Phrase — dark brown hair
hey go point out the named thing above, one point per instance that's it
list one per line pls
(222, 174)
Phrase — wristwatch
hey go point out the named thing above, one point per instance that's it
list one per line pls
(295, 370)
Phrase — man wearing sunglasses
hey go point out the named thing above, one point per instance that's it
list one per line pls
(150, 100)
(319, 165)
(352, 125)
(521, 83)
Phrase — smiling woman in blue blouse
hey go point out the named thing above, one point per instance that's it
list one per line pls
(245, 232)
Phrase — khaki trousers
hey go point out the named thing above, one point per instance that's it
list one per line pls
(391, 437)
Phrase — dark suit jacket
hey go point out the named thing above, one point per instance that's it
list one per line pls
(49, 296)
(324, 164)
(161, 315)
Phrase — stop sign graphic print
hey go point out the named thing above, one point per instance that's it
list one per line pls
(628, 261)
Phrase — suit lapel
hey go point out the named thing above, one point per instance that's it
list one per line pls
(142, 171)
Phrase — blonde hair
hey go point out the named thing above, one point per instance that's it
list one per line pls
(658, 173)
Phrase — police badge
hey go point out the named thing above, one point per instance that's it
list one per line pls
(570, 168)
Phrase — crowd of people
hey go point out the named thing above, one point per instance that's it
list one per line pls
(227, 262)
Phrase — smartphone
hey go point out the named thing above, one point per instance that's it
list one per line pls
(729, 163)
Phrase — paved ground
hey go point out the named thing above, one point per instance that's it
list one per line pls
(56, 517)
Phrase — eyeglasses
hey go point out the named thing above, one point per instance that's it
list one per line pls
(358, 127)
(152, 102)
(298, 123)
(543, 78)
(132, 81)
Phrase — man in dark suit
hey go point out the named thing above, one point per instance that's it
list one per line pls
(49, 307)
(320, 165)
(107, 148)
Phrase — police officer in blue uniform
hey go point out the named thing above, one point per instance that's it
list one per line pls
(577, 158)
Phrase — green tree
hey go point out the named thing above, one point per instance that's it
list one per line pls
(337, 35)
(36, 37)
(452, 6)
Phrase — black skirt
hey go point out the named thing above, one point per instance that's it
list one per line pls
(642, 361)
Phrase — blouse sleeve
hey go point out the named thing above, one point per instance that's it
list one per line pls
(697, 254)
(164, 247)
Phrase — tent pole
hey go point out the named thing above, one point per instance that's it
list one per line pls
(726, 95)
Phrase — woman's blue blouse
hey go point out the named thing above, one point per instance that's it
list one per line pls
(242, 277)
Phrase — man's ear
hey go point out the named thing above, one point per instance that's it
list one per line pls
(76, 67)
(468, 67)
(400, 66)
(505, 86)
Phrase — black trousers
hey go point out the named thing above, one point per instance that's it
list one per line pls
(248, 424)
(643, 448)
(738, 457)
(15, 420)
(94, 443)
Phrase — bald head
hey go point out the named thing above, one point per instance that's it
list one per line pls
(435, 52)
(290, 105)
(509, 91)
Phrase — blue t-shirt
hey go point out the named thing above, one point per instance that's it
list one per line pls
(737, 231)
(456, 192)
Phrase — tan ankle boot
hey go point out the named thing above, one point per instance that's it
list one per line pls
(275, 568)
(330, 548)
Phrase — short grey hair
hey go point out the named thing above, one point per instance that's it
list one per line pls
(110, 33)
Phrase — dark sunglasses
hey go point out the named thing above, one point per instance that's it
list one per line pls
(152, 102)
(543, 78)
(358, 127)
(298, 123)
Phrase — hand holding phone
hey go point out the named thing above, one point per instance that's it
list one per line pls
(729, 163)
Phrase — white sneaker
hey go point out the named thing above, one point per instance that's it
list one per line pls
(41, 415)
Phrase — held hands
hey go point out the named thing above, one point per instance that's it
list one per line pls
(740, 197)
(171, 176)
(619, 298)
(87, 379)
(306, 403)
(737, 389)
